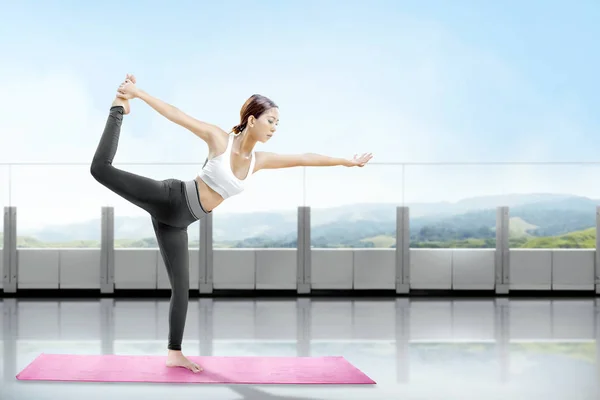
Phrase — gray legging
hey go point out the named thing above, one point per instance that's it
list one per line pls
(172, 204)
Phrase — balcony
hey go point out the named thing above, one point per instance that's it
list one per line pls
(389, 228)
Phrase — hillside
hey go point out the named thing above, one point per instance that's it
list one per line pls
(520, 227)
(585, 239)
(579, 239)
(278, 224)
(467, 223)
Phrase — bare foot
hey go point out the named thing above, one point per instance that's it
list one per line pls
(177, 359)
(121, 102)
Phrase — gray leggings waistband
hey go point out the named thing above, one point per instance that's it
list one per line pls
(193, 199)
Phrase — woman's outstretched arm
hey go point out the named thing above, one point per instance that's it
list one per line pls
(267, 160)
(203, 130)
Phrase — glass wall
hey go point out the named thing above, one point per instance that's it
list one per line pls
(58, 206)
(552, 205)
(354, 207)
(454, 206)
(265, 215)
(4, 196)
(451, 206)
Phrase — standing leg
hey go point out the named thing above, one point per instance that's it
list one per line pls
(173, 245)
(149, 194)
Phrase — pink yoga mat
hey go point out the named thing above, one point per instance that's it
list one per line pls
(224, 370)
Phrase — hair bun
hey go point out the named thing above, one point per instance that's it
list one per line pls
(239, 128)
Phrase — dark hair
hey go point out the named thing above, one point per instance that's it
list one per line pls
(255, 105)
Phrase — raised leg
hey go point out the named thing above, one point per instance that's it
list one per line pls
(149, 194)
(173, 245)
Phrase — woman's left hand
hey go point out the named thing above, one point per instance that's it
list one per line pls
(360, 161)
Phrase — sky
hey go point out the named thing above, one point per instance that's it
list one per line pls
(409, 81)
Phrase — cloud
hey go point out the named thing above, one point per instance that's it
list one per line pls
(426, 98)
(51, 118)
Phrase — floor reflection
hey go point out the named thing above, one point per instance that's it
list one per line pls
(413, 348)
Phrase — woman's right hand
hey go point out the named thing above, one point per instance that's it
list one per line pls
(128, 90)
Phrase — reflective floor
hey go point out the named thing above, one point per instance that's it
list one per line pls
(414, 349)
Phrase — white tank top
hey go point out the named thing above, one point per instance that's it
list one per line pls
(217, 173)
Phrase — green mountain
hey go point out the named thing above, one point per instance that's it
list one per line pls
(467, 223)
(584, 239)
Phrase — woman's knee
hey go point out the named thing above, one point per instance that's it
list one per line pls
(98, 169)
(181, 292)
(180, 299)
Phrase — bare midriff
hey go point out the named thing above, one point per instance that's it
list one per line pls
(208, 197)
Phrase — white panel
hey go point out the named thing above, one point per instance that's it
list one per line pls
(430, 320)
(375, 269)
(530, 320)
(473, 320)
(234, 269)
(163, 277)
(530, 269)
(473, 269)
(276, 269)
(331, 268)
(430, 269)
(136, 268)
(2, 268)
(79, 268)
(573, 269)
(38, 268)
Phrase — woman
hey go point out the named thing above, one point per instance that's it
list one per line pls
(174, 204)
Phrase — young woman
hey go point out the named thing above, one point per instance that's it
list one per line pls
(175, 204)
